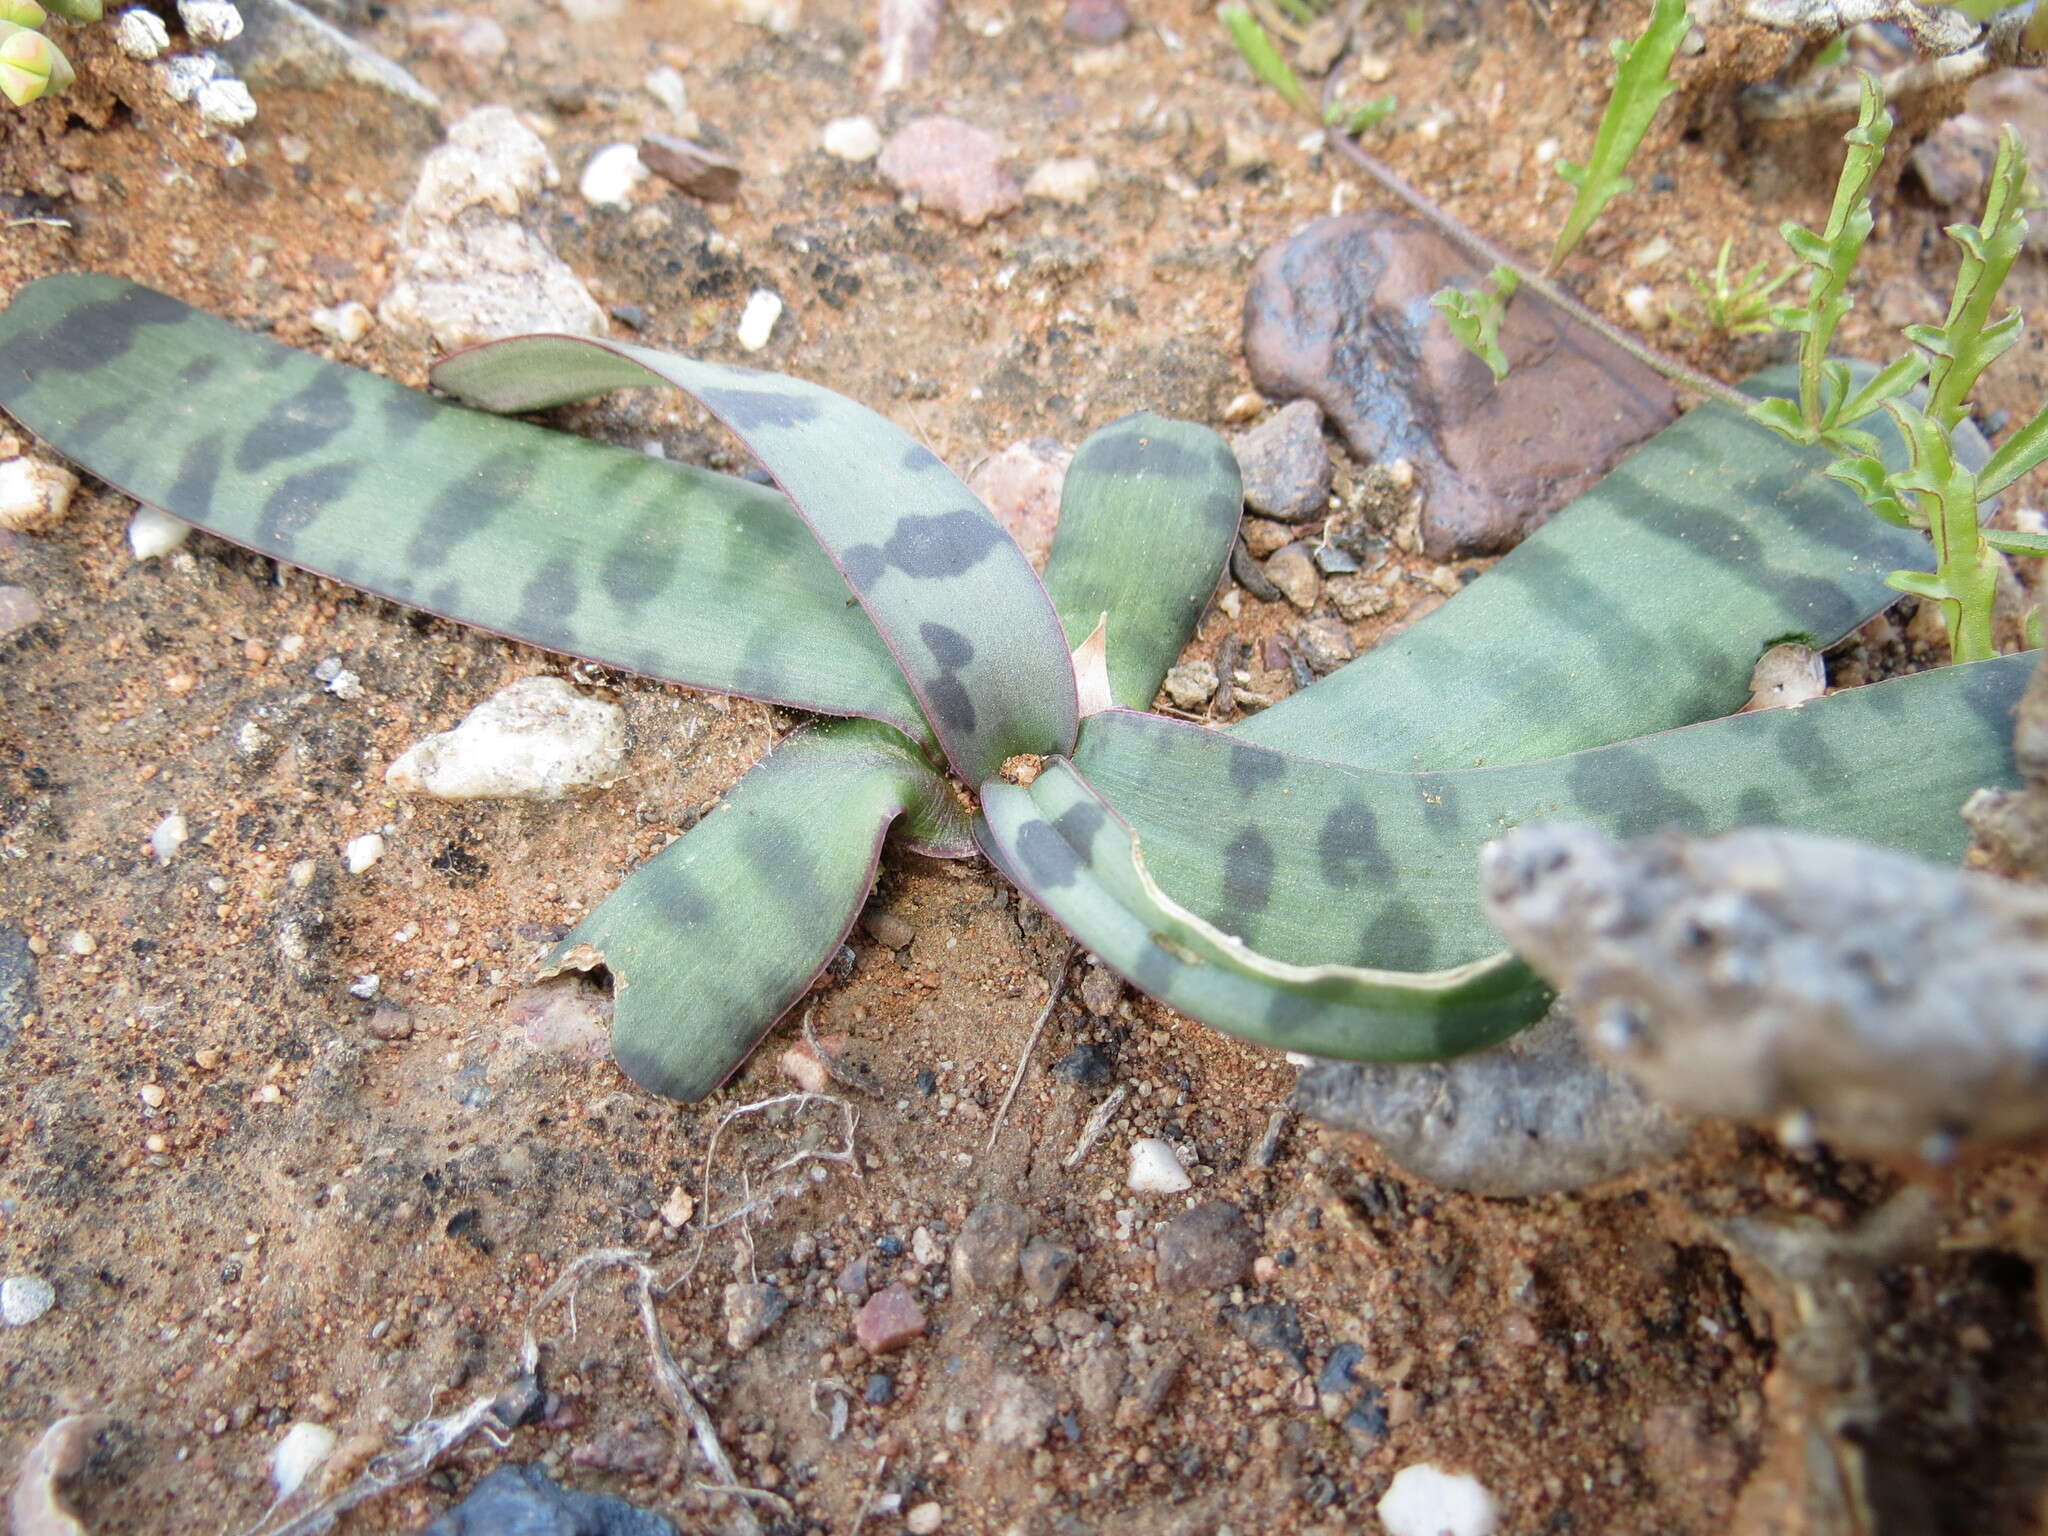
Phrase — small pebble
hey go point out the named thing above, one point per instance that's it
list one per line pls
(1293, 571)
(389, 1023)
(924, 1518)
(168, 837)
(1286, 464)
(890, 1321)
(153, 533)
(24, 1298)
(988, 1249)
(359, 853)
(688, 165)
(880, 1391)
(210, 21)
(666, 86)
(152, 1095)
(1097, 22)
(1101, 990)
(1155, 1168)
(141, 34)
(537, 739)
(855, 140)
(226, 103)
(182, 77)
(1191, 686)
(757, 321)
(1206, 1249)
(953, 167)
(34, 496)
(1085, 1066)
(887, 929)
(298, 1456)
(346, 323)
(1047, 1266)
(1424, 1500)
(19, 608)
(610, 176)
(1641, 303)
(751, 1309)
(364, 987)
(1071, 181)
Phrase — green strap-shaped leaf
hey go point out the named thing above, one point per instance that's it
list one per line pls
(718, 935)
(1067, 848)
(1641, 607)
(1315, 863)
(674, 572)
(952, 594)
(1147, 517)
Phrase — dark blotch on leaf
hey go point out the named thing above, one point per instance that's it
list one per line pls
(950, 649)
(952, 704)
(1348, 846)
(1247, 874)
(299, 424)
(84, 338)
(748, 410)
(944, 544)
(470, 504)
(198, 371)
(1050, 862)
(1250, 766)
(300, 499)
(198, 475)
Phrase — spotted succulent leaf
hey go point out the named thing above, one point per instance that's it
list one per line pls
(1147, 517)
(578, 546)
(1322, 882)
(1066, 846)
(1641, 607)
(951, 593)
(717, 936)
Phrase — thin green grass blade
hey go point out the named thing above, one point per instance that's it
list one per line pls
(952, 594)
(1641, 607)
(722, 932)
(653, 567)
(1316, 864)
(1147, 518)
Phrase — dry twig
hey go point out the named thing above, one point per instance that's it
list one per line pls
(1098, 1124)
(1059, 985)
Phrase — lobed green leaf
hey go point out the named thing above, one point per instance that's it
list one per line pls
(951, 593)
(1641, 82)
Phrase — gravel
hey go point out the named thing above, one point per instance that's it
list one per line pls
(24, 1298)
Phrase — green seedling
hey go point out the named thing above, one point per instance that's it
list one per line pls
(1736, 306)
(1938, 492)
(1475, 317)
(1642, 81)
(1304, 879)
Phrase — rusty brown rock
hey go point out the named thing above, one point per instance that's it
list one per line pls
(890, 1321)
(1340, 314)
(1205, 1249)
(689, 165)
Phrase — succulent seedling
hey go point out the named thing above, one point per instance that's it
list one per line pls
(1306, 879)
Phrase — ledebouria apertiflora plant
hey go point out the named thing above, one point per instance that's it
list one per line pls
(1305, 879)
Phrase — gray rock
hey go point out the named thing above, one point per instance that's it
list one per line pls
(1204, 1249)
(284, 46)
(1047, 1266)
(887, 929)
(535, 739)
(1246, 571)
(1324, 644)
(988, 1249)
(1292, 570)
(525, 1501)
(1340, 314)
(1015, 1412)
(25, 1298)
(468, 270)
(951, 166)
(1531, 1117)
(1285, 465)
(751, 1309)
(1886, 1004)
(17, 982)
